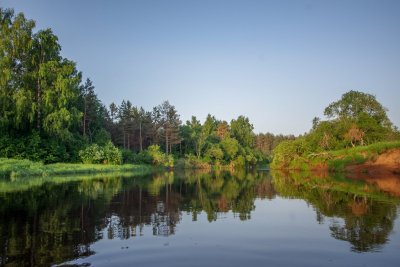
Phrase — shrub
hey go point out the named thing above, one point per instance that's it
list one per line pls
(112, 155)
(92, 154)
(154, 155)
(287, 151)
(215, 153)
(128, 156)
(239, 162)
(192, 162)
(107, 154)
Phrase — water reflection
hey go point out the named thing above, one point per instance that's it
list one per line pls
(59, 221)
(366, 214)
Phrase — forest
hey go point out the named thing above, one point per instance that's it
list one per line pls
(50, 113)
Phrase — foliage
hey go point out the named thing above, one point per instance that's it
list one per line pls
(265, 143)
(335, 160)
(128, 156)
(238, 162)
(112, 155)
(107, 154)
(357, 119)
(242, 131)
(192, 162)
(287, 151)
(15, 168)
(354, 104)
(230, 147)
(48, 114)
(215, 153)
(158, 158)
(166, 120)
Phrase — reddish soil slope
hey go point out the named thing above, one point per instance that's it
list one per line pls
(384, 171)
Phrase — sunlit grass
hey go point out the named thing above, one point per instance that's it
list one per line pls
(13, 168)
(338, 160)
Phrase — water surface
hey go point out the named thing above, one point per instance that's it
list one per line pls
(198, 219)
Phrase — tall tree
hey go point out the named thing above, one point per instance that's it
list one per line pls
(242, 130)
(38, 87)
(167, 122)
(45, 58)
(91, 108)
(354, 105)
(196, 136)
(15, 56)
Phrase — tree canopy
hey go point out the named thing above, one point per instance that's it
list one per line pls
(358, 105)
(356, 119)
(48, 113)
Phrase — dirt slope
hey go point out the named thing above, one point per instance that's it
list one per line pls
(384, 171)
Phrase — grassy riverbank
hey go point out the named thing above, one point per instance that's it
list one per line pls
(14, 168)
(337, 160)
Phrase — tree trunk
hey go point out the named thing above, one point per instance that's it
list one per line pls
(166, 141)
(124, 139)
(140, 136)
(84, 116)
(39, 103)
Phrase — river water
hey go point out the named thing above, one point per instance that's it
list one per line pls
(198, 219)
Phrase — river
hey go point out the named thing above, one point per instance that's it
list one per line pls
(197, 218)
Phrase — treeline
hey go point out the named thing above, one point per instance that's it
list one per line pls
(48, 114)
(357, 119)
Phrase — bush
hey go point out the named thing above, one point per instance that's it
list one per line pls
(35, 148)
(95, 154)
(154, 155)
(128, 156)
(112, 154)
(287, 151)
(239, 162)
(192, 162)
(215, 153)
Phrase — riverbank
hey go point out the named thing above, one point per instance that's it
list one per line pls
(14, 168)
(364, 157)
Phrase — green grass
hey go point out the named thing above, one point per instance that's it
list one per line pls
(338, 160)
(14, 168)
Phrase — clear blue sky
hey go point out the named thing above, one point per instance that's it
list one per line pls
(277, 62)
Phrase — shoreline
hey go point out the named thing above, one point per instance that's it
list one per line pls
(15, 168)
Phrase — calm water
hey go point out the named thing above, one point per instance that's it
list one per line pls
(198, 219)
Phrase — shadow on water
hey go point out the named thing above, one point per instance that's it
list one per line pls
(54, 222)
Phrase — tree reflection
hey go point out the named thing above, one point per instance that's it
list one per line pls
(366, 215)
(369, 230)
(56, 222)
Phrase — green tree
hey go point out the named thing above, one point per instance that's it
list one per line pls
(167, 122)
(231, 147)
(215, 153)
(355, 105)
(15, 55)
(242, 130)
(196, 135)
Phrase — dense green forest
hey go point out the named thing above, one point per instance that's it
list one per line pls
(356, 119)
(49, 114)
